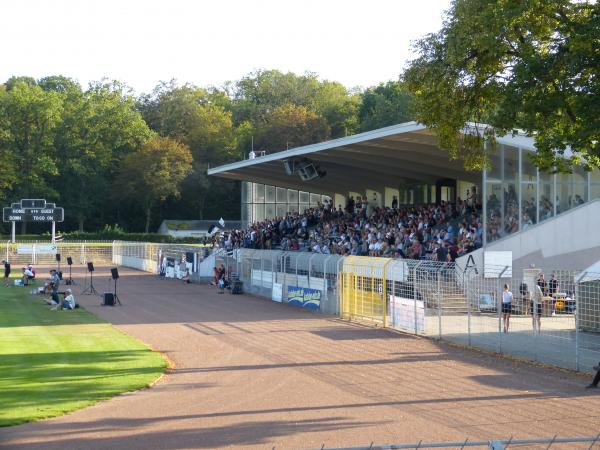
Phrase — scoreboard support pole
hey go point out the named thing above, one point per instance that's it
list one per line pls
(53, 232)
(13, 231)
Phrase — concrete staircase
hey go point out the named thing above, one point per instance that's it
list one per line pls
(447, 293)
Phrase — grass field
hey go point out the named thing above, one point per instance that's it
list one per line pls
(53, 362)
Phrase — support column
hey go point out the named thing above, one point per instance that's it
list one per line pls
(53, 232)
(13, 232)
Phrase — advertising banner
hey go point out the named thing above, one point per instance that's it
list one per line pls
(39, 249)
(403, 313)
(304, 297)
(277, 293)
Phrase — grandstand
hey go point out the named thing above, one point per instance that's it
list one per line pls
(542, 218)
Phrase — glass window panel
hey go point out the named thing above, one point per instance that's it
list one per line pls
(510, 209)
(246, 213)
(303, 207)
(269, 210)
(314, 199)
(595, 193)
(259, 193)
(303, 197)
(546, 203)
(595, 176)
(247, 192)
(292, 196)
(494, 211)
(281, 210)
(571, 189)
(511, 163)
(259, 212)
(529, 170)
(281, 195)
(495, 168)
(293, 207)
(528, 205)
(269, 194)
(325, 199)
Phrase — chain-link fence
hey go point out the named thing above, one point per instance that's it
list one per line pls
(148, 256)
(554, 320)
(306, 279)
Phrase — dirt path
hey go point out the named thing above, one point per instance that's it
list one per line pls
(250, 373)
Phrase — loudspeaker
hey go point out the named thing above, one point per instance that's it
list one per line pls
(69, 260)
(237, 287)
(108, 299)
(288, 165)
(90, 266)
(115, 273)
(57, 257)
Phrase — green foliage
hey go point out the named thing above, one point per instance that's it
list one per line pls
(384, 105)
(54, 362)
(528, 65)
(153, 173)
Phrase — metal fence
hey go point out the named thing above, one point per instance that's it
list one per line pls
(273, 274)
(555, 442)
(443, 300)
(147, 255)
(43, 252)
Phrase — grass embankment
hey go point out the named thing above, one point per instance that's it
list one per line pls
(53, 362)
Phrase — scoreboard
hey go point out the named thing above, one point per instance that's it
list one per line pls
(33, 210)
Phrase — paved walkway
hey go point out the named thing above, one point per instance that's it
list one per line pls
(250, 373)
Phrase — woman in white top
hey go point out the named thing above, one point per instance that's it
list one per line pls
(507, 298)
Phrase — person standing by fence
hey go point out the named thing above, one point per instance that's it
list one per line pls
(536, 308)
(507, 298)
(6, 272)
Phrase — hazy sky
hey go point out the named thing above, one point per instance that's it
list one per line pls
(356, 42)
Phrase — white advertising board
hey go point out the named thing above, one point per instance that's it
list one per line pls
(404, 314)
(38, 249)
(277, 293)
(496, 263)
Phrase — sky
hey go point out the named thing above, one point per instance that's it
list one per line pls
(359, 43)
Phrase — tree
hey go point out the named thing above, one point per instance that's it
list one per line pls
(98, 127)
(530, 65)
(384, 105)
(29, 117)
(290, 126)
(153, 173)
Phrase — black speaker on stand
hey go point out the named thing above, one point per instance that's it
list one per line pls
(114, 273)
(90, 290)
(70, 263)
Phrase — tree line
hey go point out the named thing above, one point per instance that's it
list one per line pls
(110, 157)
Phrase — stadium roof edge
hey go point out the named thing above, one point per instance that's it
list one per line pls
(312, 148)
(519, 138)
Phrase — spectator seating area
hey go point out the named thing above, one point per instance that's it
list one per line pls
(440, 232)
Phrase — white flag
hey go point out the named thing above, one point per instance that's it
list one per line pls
(221, 222)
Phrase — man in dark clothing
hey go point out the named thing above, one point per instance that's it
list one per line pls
(596, 380)
(6, 272)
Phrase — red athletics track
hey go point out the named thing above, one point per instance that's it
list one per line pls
(250, 373)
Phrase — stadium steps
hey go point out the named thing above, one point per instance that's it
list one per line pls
(452, 299)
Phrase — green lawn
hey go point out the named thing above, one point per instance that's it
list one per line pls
(53, 362)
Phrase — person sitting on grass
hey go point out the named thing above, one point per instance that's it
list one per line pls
(67, 303)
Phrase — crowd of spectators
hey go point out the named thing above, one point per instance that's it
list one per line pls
(439, 232)
(503, 219)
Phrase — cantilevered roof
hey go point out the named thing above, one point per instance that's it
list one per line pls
(391, 156)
